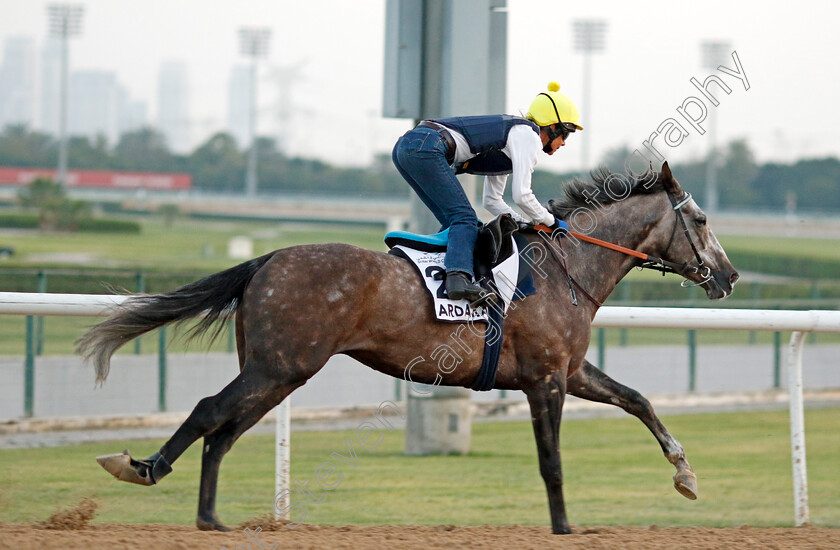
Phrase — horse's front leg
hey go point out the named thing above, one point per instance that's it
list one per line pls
(591, 384)
(546, 401)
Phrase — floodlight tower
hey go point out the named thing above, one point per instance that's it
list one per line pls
(714, 54)
(65, 23)
(589, 38)
(253, 43)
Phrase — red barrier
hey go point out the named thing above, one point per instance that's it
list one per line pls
(100, 179)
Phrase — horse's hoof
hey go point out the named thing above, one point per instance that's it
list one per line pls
(211, 525)
(120, 466)
(685, 483)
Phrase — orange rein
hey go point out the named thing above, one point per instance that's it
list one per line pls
(599, 242)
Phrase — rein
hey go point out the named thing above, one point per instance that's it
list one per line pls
(648, 261)
(572, 282)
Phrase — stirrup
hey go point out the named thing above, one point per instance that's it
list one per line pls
(460, 287)
(487, 299)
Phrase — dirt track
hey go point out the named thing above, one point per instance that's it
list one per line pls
(114, 537)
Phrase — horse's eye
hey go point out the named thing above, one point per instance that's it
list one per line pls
(700, 221)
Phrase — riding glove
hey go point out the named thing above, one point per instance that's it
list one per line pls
(559, 226)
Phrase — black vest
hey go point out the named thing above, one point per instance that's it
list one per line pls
(486, 136)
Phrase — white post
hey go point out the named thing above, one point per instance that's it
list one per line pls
(282, 463)
(797, 428)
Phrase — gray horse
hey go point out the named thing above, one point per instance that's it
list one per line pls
(373, 307)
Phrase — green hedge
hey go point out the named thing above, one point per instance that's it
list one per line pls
(668, 292)
(19, 221)
(30, 221)
(760, 262)
(92, 281)
(109, 226)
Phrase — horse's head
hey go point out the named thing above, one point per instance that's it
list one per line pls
(684, 238)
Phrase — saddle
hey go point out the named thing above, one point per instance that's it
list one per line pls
(492, 246)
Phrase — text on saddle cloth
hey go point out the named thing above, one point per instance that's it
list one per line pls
(431, 269)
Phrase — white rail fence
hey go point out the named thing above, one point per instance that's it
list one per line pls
(797, 322)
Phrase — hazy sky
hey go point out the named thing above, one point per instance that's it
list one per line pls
(335, 50)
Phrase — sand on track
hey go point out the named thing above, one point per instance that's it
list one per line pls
(28, 536)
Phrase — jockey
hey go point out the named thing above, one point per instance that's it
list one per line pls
(430, 155)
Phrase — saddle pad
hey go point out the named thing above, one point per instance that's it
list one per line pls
(432, 271)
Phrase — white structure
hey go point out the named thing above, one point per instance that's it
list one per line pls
(65, 23)
(239, 98)
(173, 105)
(50, 86)
(17, 82)
(589, 38)
(714, 54)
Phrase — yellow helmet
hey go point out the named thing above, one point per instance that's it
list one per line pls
(551, 105)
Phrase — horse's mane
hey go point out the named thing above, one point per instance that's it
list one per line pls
(588, 194)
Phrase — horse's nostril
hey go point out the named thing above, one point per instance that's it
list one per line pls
(734, 278)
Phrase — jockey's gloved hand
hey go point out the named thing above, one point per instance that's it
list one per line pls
(559, 227)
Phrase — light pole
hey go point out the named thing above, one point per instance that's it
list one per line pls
(253, 43)
(65, 23)
(590, 37)
(714, 54)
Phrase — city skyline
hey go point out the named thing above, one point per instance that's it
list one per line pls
(325, 70)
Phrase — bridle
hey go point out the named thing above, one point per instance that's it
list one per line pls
(648, 261)
(664, 266)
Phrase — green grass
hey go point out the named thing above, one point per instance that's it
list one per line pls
(614, 471)
(186, 245)
(792, 247)
(60, 333)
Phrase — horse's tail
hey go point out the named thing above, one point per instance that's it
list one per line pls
(216, 296)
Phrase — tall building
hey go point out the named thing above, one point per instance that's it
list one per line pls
(239, 100)
(173, 105)
(17, 82)
(100, 105)
(131, 114)
(92, 103)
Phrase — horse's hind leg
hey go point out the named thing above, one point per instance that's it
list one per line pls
(216, 445)
(589, 383)
(248, 391)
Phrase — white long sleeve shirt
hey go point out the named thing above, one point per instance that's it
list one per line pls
(522, 148)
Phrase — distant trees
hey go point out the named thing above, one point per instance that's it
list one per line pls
(812, 184)
(145, 149)
(55, 209)
(218, 165)
(21, 147)
(808, 184)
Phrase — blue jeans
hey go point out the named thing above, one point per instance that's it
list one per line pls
(420, 156)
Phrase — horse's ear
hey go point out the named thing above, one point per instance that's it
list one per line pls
(668, 180)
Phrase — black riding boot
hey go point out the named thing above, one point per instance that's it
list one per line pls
(460, 287)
